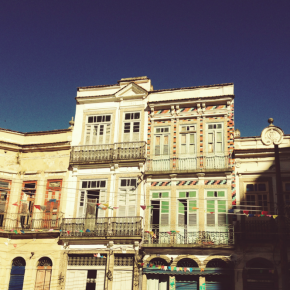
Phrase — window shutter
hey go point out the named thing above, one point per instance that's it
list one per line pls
(48, 207)
(122, 203)
(127, 130)
(136, 130)
(219, 141)
(101, 212)
(40, 276)
(108, 133)
(222, 212)
(88, 134)
(165, 145)
(210, 142)
(164, 216)
(100, 281)
(181, 212)
(82, 204)
(24, 208)
(192, 214)
(47, 280)
(132, 204)
(157, 145)
(191, 144)
(76, 280)
(210, 217)
(95, 133)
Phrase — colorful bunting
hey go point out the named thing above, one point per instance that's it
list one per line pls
(201, 269)
(37, 206)
(231, 211)
(50, 230)
(14, 245)
(195, 207)
(16, 204)
(52, 200)
(22, 232)
(88, 231)
(274, 216)
(143, 207)
(246, 212)
(264, 212)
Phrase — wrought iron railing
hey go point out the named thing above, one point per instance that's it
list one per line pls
(188, 162)
(212, 237)
(102, 227)
(108, 152)
(36, 221)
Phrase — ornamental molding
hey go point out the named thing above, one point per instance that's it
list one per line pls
(272, 134)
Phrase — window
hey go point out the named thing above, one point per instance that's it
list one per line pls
(257, 197)
(17, 273)
(98, 129)
(43, 275)
(215, 138)
(216, 207)
(4, 193)
(131, 129)
(52, 201)
(188, 128)
(187, 212)
(93, 192)
(127, 197)
(161, 141)
(160, 208)
(187, 143)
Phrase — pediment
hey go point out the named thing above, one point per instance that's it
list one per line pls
(132, 90)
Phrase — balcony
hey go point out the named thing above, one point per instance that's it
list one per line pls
(103, 228)
(11, 222)
(212, 237)
(188, 163)
(105, 153)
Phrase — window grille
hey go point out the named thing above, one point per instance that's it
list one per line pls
(86, 260)
(187, 263)
(44, 261)
(123, 260)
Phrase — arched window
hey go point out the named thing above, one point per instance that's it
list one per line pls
(186, 262)
(43, 275)
(217, 263)
(156, 281)
(17, 274)
(260, 272)
(159, 262)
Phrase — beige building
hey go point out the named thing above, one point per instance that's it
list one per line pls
(33, 187)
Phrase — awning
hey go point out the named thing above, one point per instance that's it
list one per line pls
(195, 271)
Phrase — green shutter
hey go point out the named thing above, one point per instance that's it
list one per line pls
(155, 194)
(221, 194)
(221, 206)
(210, 206)
(192, 194)
(165, 194)
(164, 206)
(181, 207)
(191, 204)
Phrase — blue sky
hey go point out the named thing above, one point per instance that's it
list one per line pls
(48, 48)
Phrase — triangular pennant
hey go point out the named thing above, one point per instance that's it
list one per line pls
(169, 268)
(22, 232)
(143, 206)
(165, 268)
(116, 207)
(37, 206)
(16, 204)
(50, 230)
(246, 212)
(274, 216)
(14, 245)
(88, 231)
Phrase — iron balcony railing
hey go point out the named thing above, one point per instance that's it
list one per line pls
(36, 221)
(108, 152)
(102, 227)
(213, 236)
(185, 162)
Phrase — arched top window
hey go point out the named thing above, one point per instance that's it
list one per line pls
(259, 263)
(44, 262)
(186, 262)
(217, 263)
(18, 261)
(159, 262)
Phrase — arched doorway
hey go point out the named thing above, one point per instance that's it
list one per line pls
(17, 274)
(186, 282)
(158, 281)
(218, 282)
(43, 275)
(259, 273)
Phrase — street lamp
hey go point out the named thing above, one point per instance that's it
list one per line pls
(273, 135)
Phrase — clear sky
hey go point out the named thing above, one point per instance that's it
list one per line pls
(48, 48)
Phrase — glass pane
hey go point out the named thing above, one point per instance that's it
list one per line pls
(4, 184)
(157, 130)
(166, 140)
(127, 116)
(219, 137)
(262, 187)
(127, 128)
(91, 119)
(165, 194)
(181, 194)
(183, 139)
(183, 128)
(183, 149)
(219, 147)
(210, 194)
(99, 119)
(210, 138)
(192, 194)
(191, 204)
(101, 129)
(155, 194)
(250, 187)
(157, 140)
(191, 139)
(137, 116)
(136, 127)
(221, 194)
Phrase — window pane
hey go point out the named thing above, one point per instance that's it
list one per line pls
(221, 194)
(191, 204)
(262, 187)
(221, 206)
(99, 119)
(181, 194)
(210, 205)
(91, 119)
(165, 194)
(133, 182)
(136, 127)
(108, 118)
(127, 116)
(219, 126)
(101, 129)
(164, 206)
(137, 116)
(155, 194)
(181, 206)
(127, 128)
(250, 187)
(192, 194)
(219, 137)
(210, 194)
(123, 182)
(157, 130)
(183, 139)
(103, 183)
(191, 138)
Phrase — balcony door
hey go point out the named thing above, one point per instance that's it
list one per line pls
(187, 153)
(161, 159)
(131, 127)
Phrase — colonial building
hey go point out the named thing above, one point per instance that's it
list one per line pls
(33, 187)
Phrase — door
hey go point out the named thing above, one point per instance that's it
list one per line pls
(157, 282)
(43, 279)
(76, 280)
(123, 280)
(161, 159)
(16, 277)
(187, 157)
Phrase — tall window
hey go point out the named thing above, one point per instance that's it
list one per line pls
(216, 206)
(127, 197)
(161, 142)
(187, 214)
(257, 197)
(215, 138)
(98, 129)
(160, 208)
(187, 140)
(17, 273)
(131, 131)
(43, 275)
(93, 192)
(52, 201)
(4, 193)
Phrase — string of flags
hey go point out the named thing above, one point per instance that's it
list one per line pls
(169, 268)
(23, 232)
(98, 255)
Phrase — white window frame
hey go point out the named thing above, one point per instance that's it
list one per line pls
(216, 213)
(131, 121)
(257, 208)
(187, 190)
(83, 197)
(161, 135)
(215, 131)
(127, 192)
(187, 144)
(160, 199)
(91, 128)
